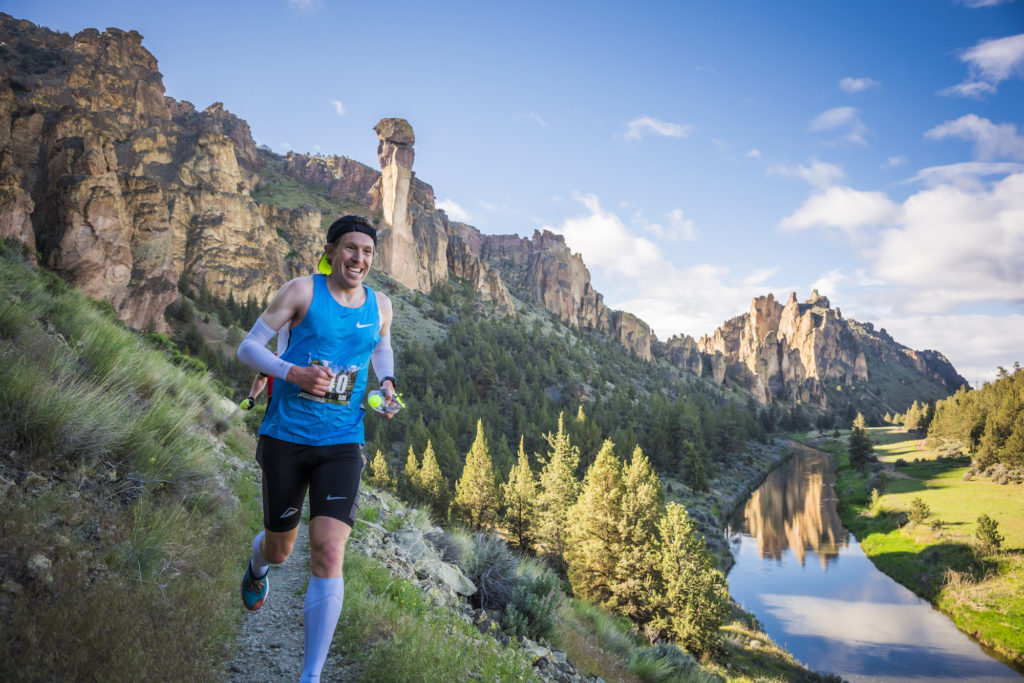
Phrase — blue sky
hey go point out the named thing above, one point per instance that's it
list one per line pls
(697, 154)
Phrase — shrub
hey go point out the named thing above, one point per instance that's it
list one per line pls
(492, 567)
(989, 538)
(662, 661)
(919, 511)
(534, 604)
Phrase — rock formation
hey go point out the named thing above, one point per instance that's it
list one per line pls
(129, 194)
(805, 352)
(126, 192)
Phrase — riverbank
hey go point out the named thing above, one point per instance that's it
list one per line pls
(939, 558)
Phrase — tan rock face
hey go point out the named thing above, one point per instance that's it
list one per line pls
(125, 191)
(412, 243)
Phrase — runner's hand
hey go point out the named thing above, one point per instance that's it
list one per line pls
(313, 379)
(388, 390)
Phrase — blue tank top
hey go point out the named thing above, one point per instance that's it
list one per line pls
(341, 338)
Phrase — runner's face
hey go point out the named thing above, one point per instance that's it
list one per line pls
(351, 257)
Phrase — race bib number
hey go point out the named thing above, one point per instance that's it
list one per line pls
(340, 390)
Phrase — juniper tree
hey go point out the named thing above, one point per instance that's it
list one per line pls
(411, 477)
(476, 492)
(594, 535)
(694, 594)
(380, 475)
(636, 562)
(988, 534)
(860, 443)
(432, 484)
(559, 489)
(519, 496)
(695, 471)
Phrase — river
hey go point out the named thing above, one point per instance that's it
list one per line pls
(814, 591)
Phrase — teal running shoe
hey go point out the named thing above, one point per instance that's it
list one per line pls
(254, 591)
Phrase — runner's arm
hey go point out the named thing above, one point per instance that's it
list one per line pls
(288, 307)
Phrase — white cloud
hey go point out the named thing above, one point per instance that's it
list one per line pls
(973, 89)
(991, 140)
(989, 63)
(306, 6)
(956, 246)
(682, 227)
(855, 85)
(692, 300)
(536, 118)
(828, 283)
(604, 241)
(454, 211)
(759, 276)
(753, 154)
(636, 128)
(966, 174)
(818, 173)
(893, 162)
(974, 4)
(338, 107)
(841, 118)
(844, 208)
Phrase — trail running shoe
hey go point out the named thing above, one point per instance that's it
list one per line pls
(254, 591)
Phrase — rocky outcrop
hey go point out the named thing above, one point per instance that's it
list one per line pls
(544, 270)
(126, 192)
(413, 244)
(805, 352)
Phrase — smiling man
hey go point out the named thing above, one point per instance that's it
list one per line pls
(312, 434)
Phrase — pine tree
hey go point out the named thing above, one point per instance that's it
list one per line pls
(559, 489)
(695, 471)
(519, 496)
(380, 476)
(411, 477)
(860, 443)
(432, 483)
(476, 493)
(694, 597)
(636, 562)
(593, 532)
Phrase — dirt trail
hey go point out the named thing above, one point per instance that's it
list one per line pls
(270, 641)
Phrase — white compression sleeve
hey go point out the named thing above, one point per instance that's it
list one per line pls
(253, 351)
(383, 358)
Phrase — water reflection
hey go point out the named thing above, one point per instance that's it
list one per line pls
(795, 509)
(838, 614)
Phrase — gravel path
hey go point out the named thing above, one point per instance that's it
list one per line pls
(270, 641)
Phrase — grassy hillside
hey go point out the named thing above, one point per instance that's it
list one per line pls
(125, 501)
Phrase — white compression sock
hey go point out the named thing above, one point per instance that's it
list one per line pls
(324, 598)
(257, 565)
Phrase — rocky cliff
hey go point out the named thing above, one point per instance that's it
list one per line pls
(127, 193)
(807, 352)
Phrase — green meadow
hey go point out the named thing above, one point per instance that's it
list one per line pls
(939, 556)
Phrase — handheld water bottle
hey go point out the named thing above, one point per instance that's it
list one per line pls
(379, 402)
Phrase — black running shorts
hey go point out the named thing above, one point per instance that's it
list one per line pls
(331, 473)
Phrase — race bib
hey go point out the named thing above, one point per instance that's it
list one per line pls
(342, 383)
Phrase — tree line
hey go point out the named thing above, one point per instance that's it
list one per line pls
(611, 533)
(985, 423)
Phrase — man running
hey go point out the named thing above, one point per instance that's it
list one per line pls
(312, 434)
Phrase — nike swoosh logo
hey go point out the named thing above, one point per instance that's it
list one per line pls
(330, 497)
(360, 325)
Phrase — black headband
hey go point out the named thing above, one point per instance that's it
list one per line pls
(351, 224)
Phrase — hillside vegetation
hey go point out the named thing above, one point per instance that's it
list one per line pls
(121, 478)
